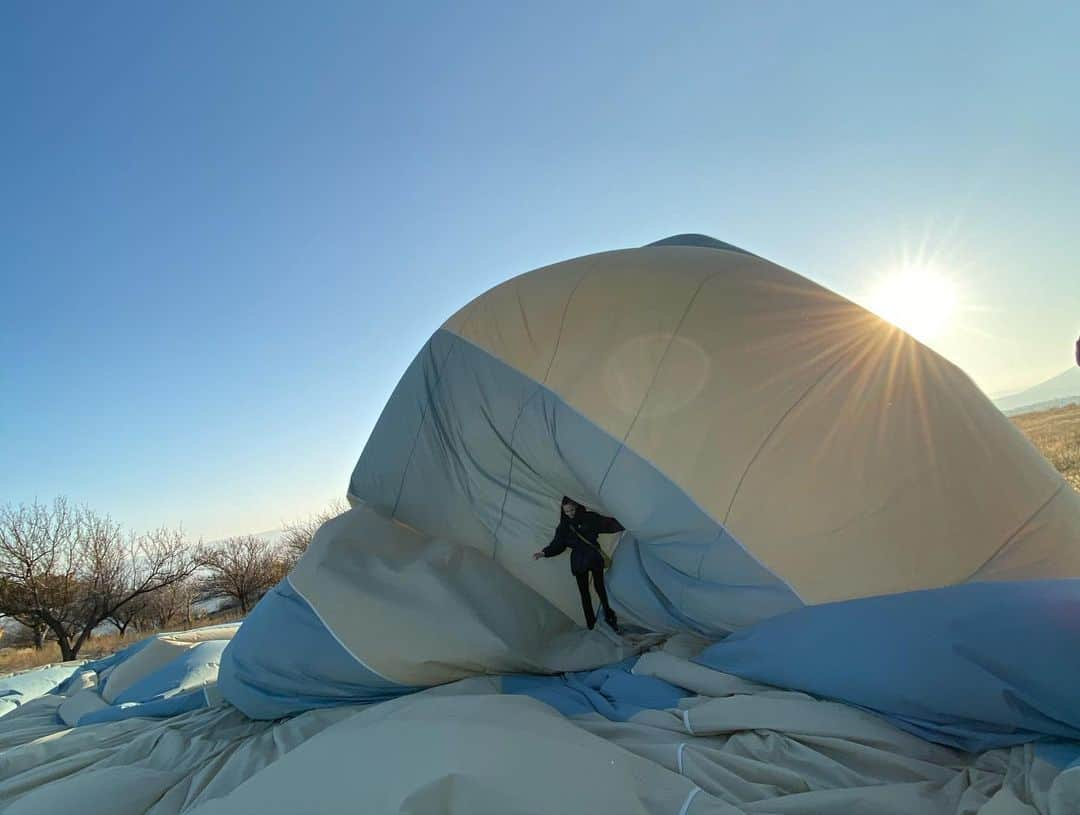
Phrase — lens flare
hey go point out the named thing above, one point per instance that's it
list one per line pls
(920, 300)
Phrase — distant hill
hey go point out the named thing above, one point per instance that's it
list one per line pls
(1063, 389)
(270, 536)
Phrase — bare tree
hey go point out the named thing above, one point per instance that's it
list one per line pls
(298, 534)
(243, 569)
(132, 613)
(25, 635)
(38, 632)
(170, 604)
(20, 636)
(70, 570)
(34, 541)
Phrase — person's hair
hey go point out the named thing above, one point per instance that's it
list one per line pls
(566, 499)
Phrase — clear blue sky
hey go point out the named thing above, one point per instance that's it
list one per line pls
(226, 228)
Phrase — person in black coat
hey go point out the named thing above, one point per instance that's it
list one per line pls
(577, 531)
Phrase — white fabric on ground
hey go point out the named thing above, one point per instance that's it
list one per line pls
(731, 747)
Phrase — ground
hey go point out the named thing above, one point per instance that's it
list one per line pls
(1057, 434)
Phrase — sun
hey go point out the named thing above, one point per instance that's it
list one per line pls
(918, 299)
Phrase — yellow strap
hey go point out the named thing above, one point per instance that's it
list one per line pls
(604, 555)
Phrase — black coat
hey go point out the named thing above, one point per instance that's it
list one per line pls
(583, 556)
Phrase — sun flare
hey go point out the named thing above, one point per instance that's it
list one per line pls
(919, 300)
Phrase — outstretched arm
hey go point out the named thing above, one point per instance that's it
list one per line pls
(555, 548)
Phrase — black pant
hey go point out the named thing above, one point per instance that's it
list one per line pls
(597, 573)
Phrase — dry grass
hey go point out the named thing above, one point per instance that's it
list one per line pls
(1057, 434)
(13, 660)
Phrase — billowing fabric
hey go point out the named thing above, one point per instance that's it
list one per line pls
(613, 691)
(659, 735)
(768, 446)
(159, 708)
(266, 681)
(138, 765)
(157, 677)
(845, 457)
(884, 566)
(977, 666)
(195, 667)
(367, 585)
(17, 688)
(470, 450)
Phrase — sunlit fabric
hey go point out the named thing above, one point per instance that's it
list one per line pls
(846, 584)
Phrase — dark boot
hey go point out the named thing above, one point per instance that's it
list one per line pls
(601, 590)
(611, 619)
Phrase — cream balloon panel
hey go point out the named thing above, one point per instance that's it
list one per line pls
(850, 459)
